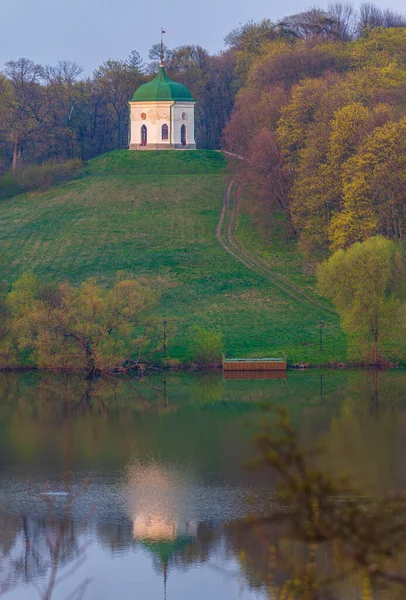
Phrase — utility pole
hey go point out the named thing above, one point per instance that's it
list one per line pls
(164, 324)
(321, 325)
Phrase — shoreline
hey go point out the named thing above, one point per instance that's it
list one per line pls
(193, 368)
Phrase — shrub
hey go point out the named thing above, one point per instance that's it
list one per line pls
(206, 346)
(9, 186)
(38, 177)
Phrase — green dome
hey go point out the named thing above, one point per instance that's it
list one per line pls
(166, 548)
(162, 88)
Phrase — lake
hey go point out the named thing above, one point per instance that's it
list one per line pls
(120, 489)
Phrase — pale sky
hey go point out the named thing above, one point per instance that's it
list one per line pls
(91, 31)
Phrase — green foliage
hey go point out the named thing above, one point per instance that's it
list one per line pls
(206, 346)
(84, 328)
(381, 47)
(367, 285)
(374, 188)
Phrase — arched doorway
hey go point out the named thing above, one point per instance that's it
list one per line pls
(144, 135)
(183, 135)
(165, 131)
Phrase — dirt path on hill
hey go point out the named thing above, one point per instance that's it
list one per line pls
(225, 233)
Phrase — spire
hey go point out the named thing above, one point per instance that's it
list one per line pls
(161, 56)
(165, 577)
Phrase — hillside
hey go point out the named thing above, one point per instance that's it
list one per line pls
(155, 214)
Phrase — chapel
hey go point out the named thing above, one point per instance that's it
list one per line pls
(162, 115)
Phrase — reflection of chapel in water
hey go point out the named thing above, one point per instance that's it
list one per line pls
(156, 506)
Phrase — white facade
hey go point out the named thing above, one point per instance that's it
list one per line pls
(162, 125)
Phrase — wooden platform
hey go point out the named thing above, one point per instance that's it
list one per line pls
(254, 364)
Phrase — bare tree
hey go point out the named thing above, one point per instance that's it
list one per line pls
(65, 72)
(345, 19)
(371, 16)
(314, 22)
(393, 19)
(30, 110)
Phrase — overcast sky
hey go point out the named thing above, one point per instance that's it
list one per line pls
(91, 31)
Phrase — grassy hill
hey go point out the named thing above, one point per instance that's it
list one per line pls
(155, 215)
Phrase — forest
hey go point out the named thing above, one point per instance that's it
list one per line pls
(321, 126)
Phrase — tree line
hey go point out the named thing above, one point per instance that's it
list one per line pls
(53, 113)
(320, 123)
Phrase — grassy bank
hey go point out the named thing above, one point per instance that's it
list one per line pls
(155, 215)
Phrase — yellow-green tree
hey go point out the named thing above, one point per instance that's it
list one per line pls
(380, 47)
(367, 285)
(324, 124)
(85, 328)
(374, 188)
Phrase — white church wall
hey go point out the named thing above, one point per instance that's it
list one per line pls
(183, 114)
(155, 114)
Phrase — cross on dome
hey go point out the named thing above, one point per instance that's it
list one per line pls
(161, 56)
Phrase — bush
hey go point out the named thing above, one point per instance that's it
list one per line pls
(206, 346)
(38, 177)
(9, 186)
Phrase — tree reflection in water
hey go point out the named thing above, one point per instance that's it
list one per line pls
(320, 538)
(39, 548)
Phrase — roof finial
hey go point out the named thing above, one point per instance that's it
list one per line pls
(161, 56)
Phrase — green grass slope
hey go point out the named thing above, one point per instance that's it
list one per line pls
(155, 214)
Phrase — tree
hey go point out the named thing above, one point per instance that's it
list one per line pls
(374, 188)
(84, 328)
(135, 62)
(116, 82)
(345, 19)
(251, 36)
(380, 47)
(210, 80)
(314, 22)
(268, 177)
(64, 72)
(371, 16)
(367, 285)
(154, 56)
(7, 107)
(29, 108)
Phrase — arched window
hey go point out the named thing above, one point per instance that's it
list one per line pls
(165, 132)
(144, 135)
(183, 135)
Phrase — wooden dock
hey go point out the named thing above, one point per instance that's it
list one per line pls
(254, 364)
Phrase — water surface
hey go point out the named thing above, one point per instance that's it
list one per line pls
(116, 489)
